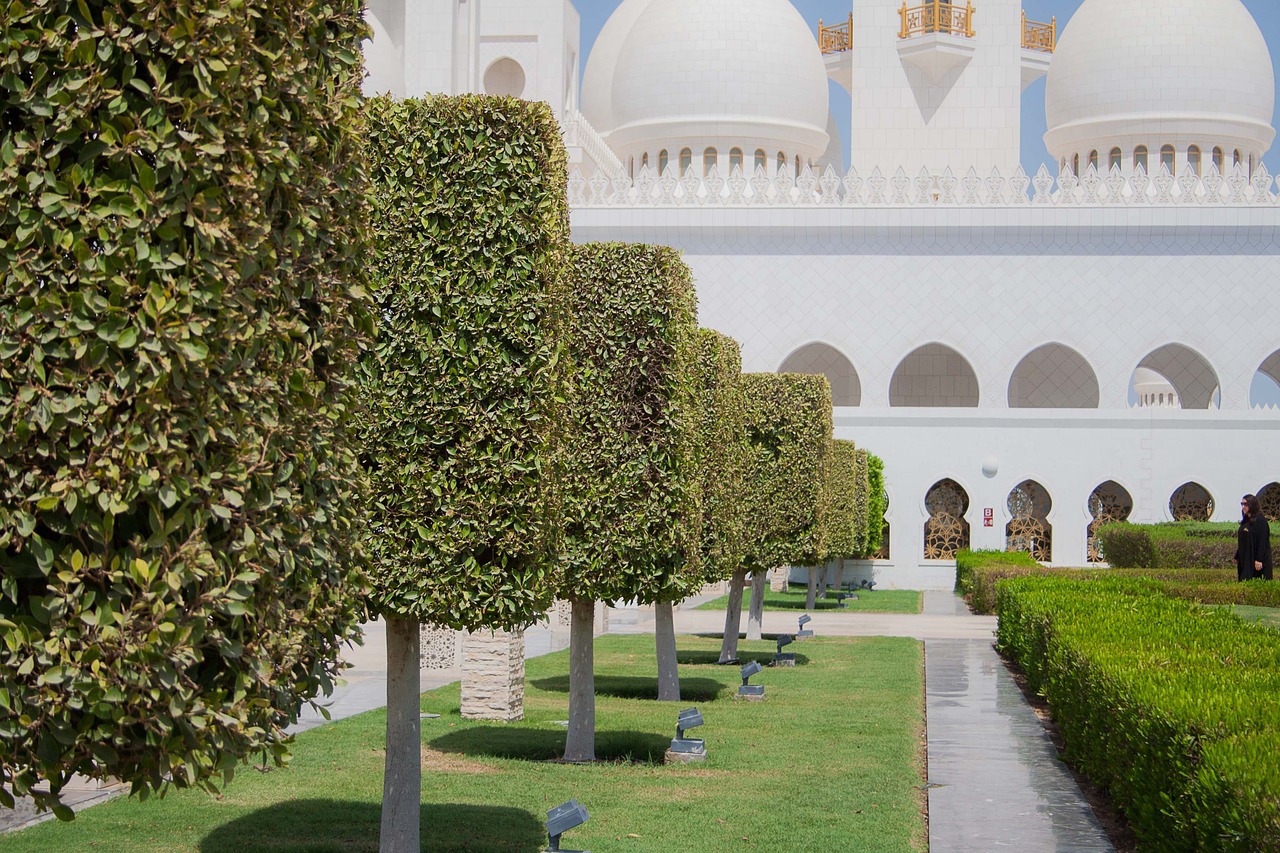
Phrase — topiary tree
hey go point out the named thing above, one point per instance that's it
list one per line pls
(845, 539)
(862, 507)
(182, 242)
(788, 425)
(463, 389)
(632, 514)
(720, 444)
(877, 506)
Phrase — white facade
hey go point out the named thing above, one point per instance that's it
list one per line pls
(1046, 350)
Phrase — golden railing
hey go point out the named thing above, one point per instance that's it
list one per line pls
(1038, 36)
(836, 39)
(937, 16)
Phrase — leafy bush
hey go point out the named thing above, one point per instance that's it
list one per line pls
(877, 505)
(1199, 545)
(721, 454)
(472, 233)
(788, 418)
(1258, 593)
(844, 493)
(1145, 688)
(633, 515)
(967, 561)
(1127, 546)
(182, 242)
(862, 517)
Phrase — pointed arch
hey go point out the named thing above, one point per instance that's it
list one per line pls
(946, 532)
(934, 375)
(1191, 502)
(1029, 528)
(1053, 376)
(1189, 373)
(824, 359)
(1109, 503)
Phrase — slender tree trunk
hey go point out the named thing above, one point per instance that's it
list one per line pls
(402, 773)
(664, 631)
(580, 743)
(733, 618)
(812, 598)
(755, 619)
(824, 576)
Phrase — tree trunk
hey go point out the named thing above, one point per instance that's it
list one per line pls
(402, 773)
(580, 743)
(812, 598)
(664, 631)
(732, 618)
(824, 576)
(755, 619)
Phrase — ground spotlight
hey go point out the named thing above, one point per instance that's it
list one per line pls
(747, 690)
(803, 632)
(840, 599)
(784, 658)
(683, 748)
(563, 818)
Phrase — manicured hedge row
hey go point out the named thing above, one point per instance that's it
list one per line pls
(633, 493)
(463, 390)
(182, 235)
(1172, 708)
(877, 505)
(1171, 545)
(845, 502)
(967, 561)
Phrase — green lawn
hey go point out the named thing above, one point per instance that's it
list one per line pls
(1262, 615)
(869, 601)
(831, 760)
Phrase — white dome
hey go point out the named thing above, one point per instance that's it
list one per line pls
(709, 73)
(1178, 72)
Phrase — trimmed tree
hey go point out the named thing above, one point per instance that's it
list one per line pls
(720, 459)
(877, 506)
(462, 436)
(844, 494)
(182, 242)
(632, 491)
(788, 426)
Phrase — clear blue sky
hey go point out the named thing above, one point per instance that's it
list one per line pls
(1265, 12)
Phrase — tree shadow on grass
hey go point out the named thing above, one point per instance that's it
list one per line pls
(548, 745)
(331, 826)
(709, 658)
(638, 687)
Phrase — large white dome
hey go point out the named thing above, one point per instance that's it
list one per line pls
(702, 74)
(1130, 73)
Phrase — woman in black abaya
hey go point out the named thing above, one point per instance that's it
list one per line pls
(1253, 550)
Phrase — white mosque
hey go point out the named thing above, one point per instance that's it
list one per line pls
(1029, 354)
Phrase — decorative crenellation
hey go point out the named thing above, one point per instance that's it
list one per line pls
(927, 189)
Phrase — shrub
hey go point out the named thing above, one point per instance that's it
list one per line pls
(877, 505)
(182, 241)
(862, 517)
(1144, 688)
(634, 516)
(967, 561)
(788, 419)
(1199, 545)
(1127, 546)
(471, 266)
(844, 536)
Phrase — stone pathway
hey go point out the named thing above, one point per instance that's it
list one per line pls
(995, 779)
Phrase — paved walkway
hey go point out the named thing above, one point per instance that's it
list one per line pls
(995, 779)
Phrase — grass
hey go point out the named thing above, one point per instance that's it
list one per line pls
(869, 601)
(1269, 616)
(832, 759)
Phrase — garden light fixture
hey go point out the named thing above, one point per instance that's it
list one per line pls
(683, 748)
(784, 658)
(803, 632)
(563, 818)
(747, 690)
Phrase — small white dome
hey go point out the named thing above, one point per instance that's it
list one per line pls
(710, 74)
(1177, 72)
(597, 81)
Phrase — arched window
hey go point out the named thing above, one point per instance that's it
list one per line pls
(1062, 167)
(1217, 159)
(710, 158)
(686, 161)
(1191, 502)
(735, 159)
(1075, 165)
(1140, 158)
(946, 531)
(505, 77)
(663, 161)
(1029, 529)
(1053, 377)
(1116, 157)
(644, 160)
(1253, 163)
(1193, 160)
(782, 161)
(797, 164)
(1093, 159)
(762, 160)
(1110, 503)
(1235, 159)
(934, 376)
(820, 358)
(1168, 159)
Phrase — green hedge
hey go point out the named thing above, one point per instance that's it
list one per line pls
(788, 418)
(967, 561)
(1200, 545)
(721, 455)
(845, 518)
(877, 505)
(1209, 586)
(464, 422)
(182, 236)
(1172, 708)
(633, 515)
